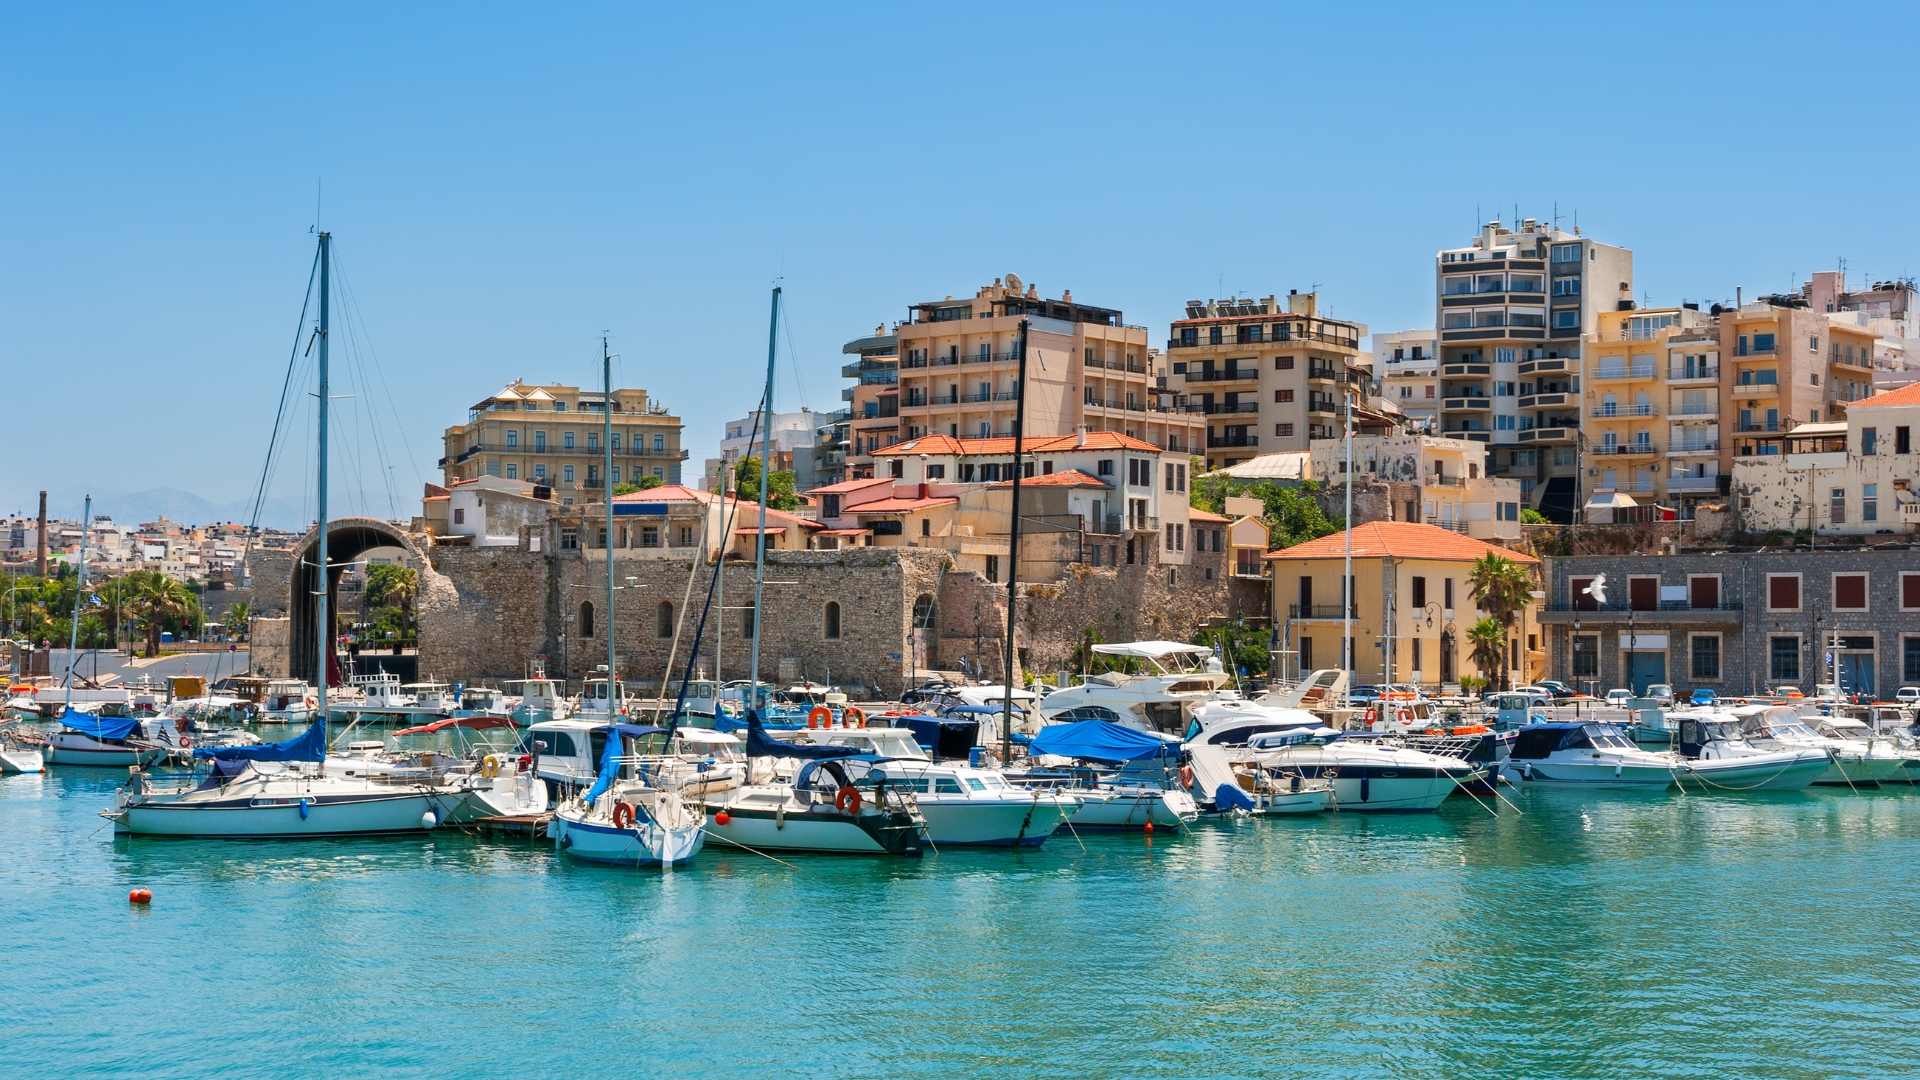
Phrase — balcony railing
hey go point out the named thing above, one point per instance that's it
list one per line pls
(1447, 524)
(1222, 375)
(1624, 371)
(1701, 446)
(1626, 449)
(1322, 611)
(1223, 408)
(1712, 409)
(1445, 481)
(1218, 441)
(942, 399)
(1693, 483)
(1610, 412)
(1475, 402)
(1623, 605)
(1327, 373)
(1681, 372)
(1759, 426)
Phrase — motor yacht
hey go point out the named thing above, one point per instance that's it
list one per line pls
(23, 701)
(1780, 727)
(19, 754)
(462, 752)
(698, 761)
(1892, 759)
(1719, 757)
(540, 700)
(962, 804)
(288, 701)
(1174, 678)
(379, 692)
(1124, 778)
(280, 790)
(1227, 773)
(1366, 775)
(1586, 755)
(602, 700)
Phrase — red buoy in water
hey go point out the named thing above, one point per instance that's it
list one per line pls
(722, 818)
(1149, 826)
(140, 896)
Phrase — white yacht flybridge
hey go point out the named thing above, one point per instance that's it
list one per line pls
(1176, 677)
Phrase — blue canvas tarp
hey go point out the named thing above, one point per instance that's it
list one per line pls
(761, 744)
(1100, 740)
(609, 766)
(98, 727)
(310, 746)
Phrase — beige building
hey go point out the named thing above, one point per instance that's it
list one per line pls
(955, 372)
(1264, 379)
(550, 436)
(1410, 608)
(1447, 481)
(1650, 407)
(1512, 309)
(1787, 364)
(1406, 369)
(1855, 477)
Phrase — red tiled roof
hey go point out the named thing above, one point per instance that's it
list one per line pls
(849, 485)
(895, 506)
(1906, 395)
(1400, 540)
(682, 493)
(1070, 478)
(1207, 516)
(948, 445)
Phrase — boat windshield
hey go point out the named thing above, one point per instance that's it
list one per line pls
(1608, 737)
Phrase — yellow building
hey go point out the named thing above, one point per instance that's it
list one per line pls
(550, 436)
(1411, 605)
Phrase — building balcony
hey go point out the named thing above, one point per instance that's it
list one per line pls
(1226, 375)
(1621, 373)
(1322, 611)
(1618, 612)
(1216, 442)
(940, 399)
(1447, 524)
(1324, 373)
(1756, 388)
(1222, 408)
(1473, 403)
(1694, 484)
(1742, 350)
(1543, 367)
(1681, 373)
(1760, 427)
(1614, 412)
(1469, 435)
(1703, 446)
(1466, 370)
(1558, 400)
(1695, 412)
(1444, 481)
(1625, 449)
(1548, 434)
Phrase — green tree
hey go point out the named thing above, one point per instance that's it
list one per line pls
(237, 616)
(1502, 588)
(1292, 514)
(780, 489)
(1489, 641)
(645, 483)
(648, 483)
(162, 603)
(1530, 516)
(1242, 648)
(396, 586)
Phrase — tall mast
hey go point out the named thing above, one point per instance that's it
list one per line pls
(79, 589)
(766, 481)
(720, 563)
(320, 550)
(606, 480)
(1013, 547)
(1346, 582)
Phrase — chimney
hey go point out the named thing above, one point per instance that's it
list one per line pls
(41, 567)
(923, 489)
(1079, 439)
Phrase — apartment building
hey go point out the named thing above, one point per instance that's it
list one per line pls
(1264, 378)
(797, 446)
(1406, 366)
(1512, 308)
(957, 370)
(550, 435)
(1432, 480)
(1854, 477)
(1788, 364)
(1650, 407)
(873, 401)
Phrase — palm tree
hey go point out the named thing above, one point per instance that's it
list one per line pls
(237, 616)
(1502, 588)
(160, 599)
(396, 585)
(1489, 641)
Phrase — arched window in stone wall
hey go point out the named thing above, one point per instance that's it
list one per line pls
(923, 612)
(664, 627)
(586, 619)
(833, 620)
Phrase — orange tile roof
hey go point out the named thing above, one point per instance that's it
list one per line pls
(1906, 395)
(1207, 516)
(948, 445)
(894, 506)
(1400, 540)
(849, 485)
(682, 493)
(1070, 478)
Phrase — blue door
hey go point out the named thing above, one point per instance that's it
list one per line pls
(1856, 674)
(1644, 669)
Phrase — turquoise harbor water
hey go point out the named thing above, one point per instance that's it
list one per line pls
(1600, 935)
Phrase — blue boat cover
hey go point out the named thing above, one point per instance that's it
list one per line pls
(310, 746)
(761, 744)
(98, 727)
(610, 763)
(1100, 740)
(989, 710)
(1229, 797)
(632, 731)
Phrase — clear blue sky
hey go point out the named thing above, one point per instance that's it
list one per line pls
(507, 182)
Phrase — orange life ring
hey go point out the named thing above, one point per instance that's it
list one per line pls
(847, 800)
(623, 815)
(1471, 729)
(820, 716)
(853, 717)
(185, 743)
(1371, 715)
(1186, 776)
(1405, 716)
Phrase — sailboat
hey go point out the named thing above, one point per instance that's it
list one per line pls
(826, 806)
(86, 738)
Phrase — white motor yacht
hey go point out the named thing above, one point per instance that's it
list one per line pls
(1719, 757)
(1174, 678)
(17, 754)
(540, 700)
(602, 700)
(288, 701)
(1779, 727)
(962, 805)
(1586, 755)
(461, 752)
(1227, 773)
(1366, 774)
(834, 803)
(379, 692)
(1892, 759)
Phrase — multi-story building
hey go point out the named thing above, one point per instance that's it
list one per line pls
(1405, 364)
(796, 442)
(1787, 364)
(873, 401)
(1857, 477)
(1512, 308)
(550, 435)
(956, 371)
(1437, 481)
(1650, 406)
(1264, 379)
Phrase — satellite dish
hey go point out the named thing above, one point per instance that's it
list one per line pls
(1597, 589)
(1013, 283)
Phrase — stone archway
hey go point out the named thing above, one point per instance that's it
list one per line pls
(347, 540)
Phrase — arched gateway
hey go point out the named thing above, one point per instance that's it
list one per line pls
(347, 540)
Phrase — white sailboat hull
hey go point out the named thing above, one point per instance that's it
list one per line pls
(21, 760)
(1598, 774)
(1013, 822)
(645, 844)
(73, 748)
(1134, 809)
(282, 817)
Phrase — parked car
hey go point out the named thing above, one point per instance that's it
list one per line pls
(1704, 696)
(1785, 692)
(1364, 695)
(1558, 689)
(1908, 695)
(1618, 697)
(1662, 693)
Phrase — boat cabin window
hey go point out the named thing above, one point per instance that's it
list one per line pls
(973, 782)
(946, 785)
(1239, 735)
(1605, 736)
(992, 782)
(1088, 712)
(559, 743)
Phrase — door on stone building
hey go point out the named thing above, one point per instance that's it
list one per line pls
(1644, 669)
(1856, 674)
(1446, 658)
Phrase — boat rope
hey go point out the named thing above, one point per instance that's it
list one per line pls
(744, 847)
